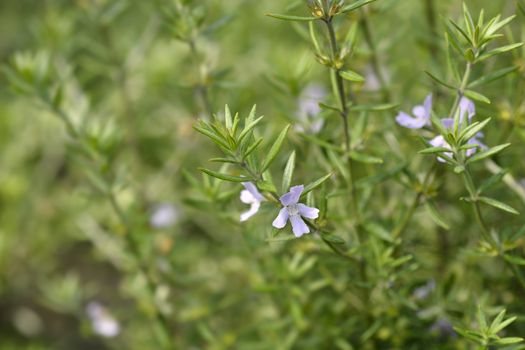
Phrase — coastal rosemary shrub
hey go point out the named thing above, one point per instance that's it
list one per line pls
(241, 174)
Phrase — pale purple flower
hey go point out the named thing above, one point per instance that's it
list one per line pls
(164, 215)
(420, 115)
(308, 110)
(466, 107)
(250, 195)
(475, 141)
(294, 211)
(439, 141)
(102, 321)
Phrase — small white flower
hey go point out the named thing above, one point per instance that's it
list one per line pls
(163, 216)
(102, 321)
(250, 195)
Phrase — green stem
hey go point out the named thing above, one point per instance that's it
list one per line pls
(344, 115)
(469, 183)
(402, 225)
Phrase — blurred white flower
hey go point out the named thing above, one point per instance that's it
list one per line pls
(308, 110)
(164, 215)
(250, 195)
(102, 321)
(425, 290)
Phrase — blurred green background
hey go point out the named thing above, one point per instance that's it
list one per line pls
(135, 89)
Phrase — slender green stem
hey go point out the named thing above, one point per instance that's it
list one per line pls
(469, 183)
(402, 225)
(344, 115)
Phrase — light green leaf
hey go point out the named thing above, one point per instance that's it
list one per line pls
(485, 154)
(352, 76)
(288, 172)
(365, 158)
(498, 204)
(435, 215)
(313, 185)
(355, 5)
(224, 177)
(477, 96)
(291, 18)
(274, 150)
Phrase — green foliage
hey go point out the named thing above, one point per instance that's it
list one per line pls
(137, 205)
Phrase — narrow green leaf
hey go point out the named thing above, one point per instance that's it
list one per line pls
(498, 204)
(288, 172)
(274, 150)
(435, 215)
(432, 150)
(252, 147)
(355, 5)
(472, 130)
(213, 136)
(504, 324)
(365, 158)
(290, 18)
(516, 260)
(224, 177)
(477, 96)
(352, 76)
(498, 51)
(509, 340)
(485, 154)
(331, 108)
(224, 160)
(227, 118)
(374, 107)
(482, 321)
(332, 238)
(313, 185)
(497, 321)
(249, 128)
(439, 81)
(488, 78)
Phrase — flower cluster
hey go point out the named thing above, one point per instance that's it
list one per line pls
(422, 116)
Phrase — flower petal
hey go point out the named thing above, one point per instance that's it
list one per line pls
(247, 197)
(307, 212)
(466, 106)
(439, 141)
(298, 226)
(475, 141)
(448, 123)
(254, 208)
(428, 106)
(419, 112)
(409, 122)
(292, 197)
(250, 187)
(280, 220)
